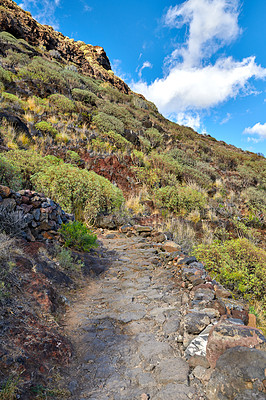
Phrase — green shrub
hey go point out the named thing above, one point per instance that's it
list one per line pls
(29, 162)
(62, 103)
(154, 136)
(120, 113)
(256, 198)
(73, 157)
(91, 84)
(119, 141)
(6, 37)
(180, 198)
(78, 236)
(5, 76)
(106, 123)
(85, 96)
(12, 100)
(46, 128)
(9, 174)
(15, 59)
(78, 191)
(237, 263)
(43, 72)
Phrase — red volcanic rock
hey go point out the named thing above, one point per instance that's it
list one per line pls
(226, 335)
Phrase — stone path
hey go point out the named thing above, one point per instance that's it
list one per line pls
(125, 329)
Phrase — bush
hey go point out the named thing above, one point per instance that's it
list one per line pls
(29, 162)
(106, 123)
(119, 141)
(5, 76)
(78, 236)
(46, 128)
(256, 198)
(239, 264)
(11, 222)
(6, 37)
(9, 174)
(180, 198)
(85, 96)
(12, 100)
(154, 136)
(120, 113)
(62, 103)
(43, 71)
(78, 191)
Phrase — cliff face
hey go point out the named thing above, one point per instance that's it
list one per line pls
(88, 59)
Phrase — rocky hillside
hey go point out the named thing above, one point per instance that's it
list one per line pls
(74, 137)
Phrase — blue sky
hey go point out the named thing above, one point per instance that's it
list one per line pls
(202, 62)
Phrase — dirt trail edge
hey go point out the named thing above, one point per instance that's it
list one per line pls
(125, 328)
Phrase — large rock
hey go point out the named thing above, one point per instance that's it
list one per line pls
(239, 375)
(226, 335)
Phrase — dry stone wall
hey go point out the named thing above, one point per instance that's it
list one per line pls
(30, 214)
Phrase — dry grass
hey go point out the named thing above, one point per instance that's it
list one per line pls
(7, 246)
(183, 233)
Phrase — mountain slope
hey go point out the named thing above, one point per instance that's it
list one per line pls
(60, 98)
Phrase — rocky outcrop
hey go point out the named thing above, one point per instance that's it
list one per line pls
(90, 60)
(31, 215)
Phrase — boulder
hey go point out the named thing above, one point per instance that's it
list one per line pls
(226, 335)
(239, 375)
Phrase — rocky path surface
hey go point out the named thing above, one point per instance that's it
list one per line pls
(125, 329)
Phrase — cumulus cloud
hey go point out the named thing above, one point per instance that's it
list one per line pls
(192, 82)
(43, 11)
(200, 88)
(258, 129)
(212, 24)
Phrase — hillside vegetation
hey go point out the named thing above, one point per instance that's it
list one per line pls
(87, 141)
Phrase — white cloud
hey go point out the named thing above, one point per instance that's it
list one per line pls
(258, 129)
(43, 11)
(200, 88)
(187, 119)
(212, 24)
(192, 82)
(226, 119)
(146, 64)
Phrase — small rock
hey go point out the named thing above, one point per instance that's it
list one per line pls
(170, 246)
(144, 396)
(187, 260)
(4, 191)
(252, 322)
(196, 360)
(199, 372)
(140, 228)
(196, 322)
(203, 295)
(110, 236)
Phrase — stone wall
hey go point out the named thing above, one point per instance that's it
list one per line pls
(30, 214)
